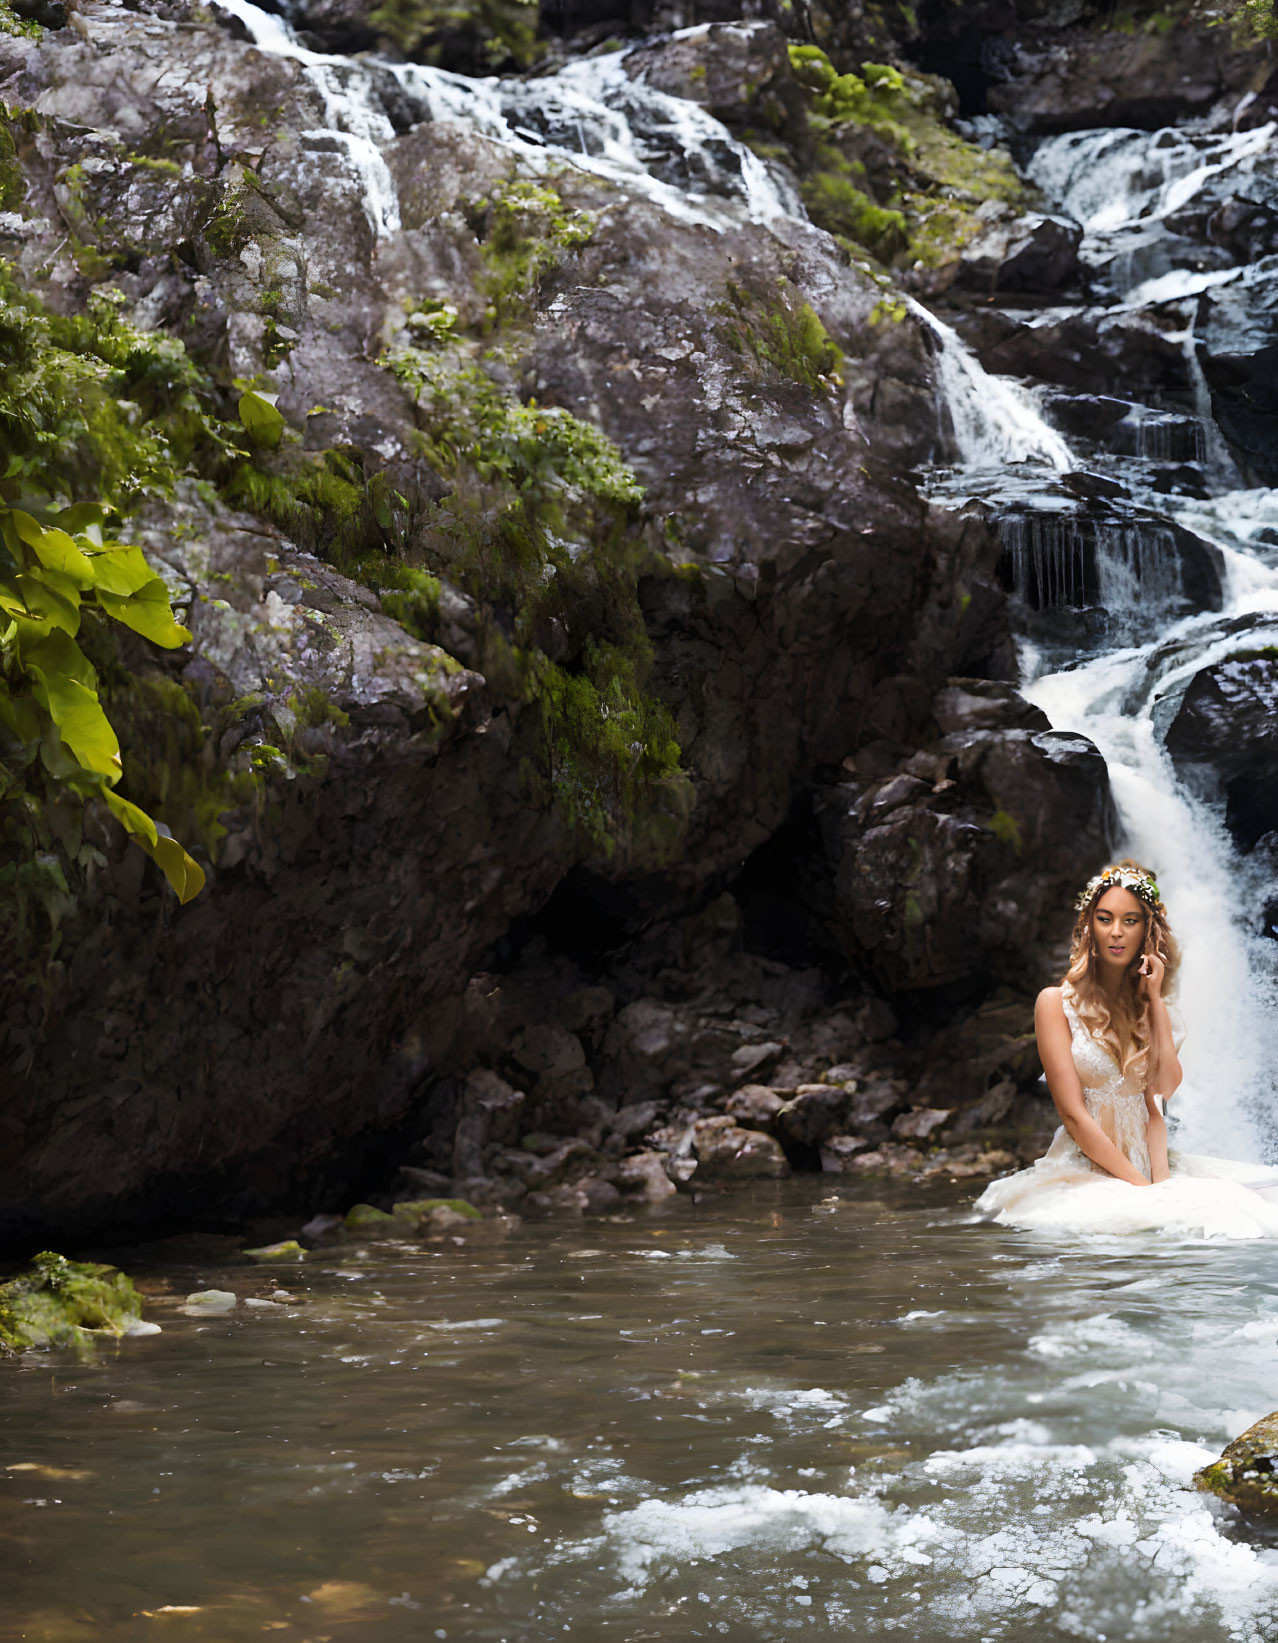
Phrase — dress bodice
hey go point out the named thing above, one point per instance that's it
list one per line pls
(1117, 1103)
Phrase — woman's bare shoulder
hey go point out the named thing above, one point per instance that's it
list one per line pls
(1051, 1002)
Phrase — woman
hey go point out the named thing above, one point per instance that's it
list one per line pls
(1108, 1049)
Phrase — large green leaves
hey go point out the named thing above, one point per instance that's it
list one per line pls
(262, 422)
(49, 572)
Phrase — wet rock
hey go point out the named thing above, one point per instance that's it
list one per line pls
(548, 1051)
(920, 1123)
(287, 1250)
(1224, 741)
(1044, 82)
(875, 1100)
(211, 1301)
(489, 1116)
(992, 1046)
(588, 1010)
(726, 1152)
(645, 1172)
(739, 71)
(993, 1108)
(1020, 251)
(837, 1152)
(754, 1105)
(815, 1112)
(750, 1058)
(601, 1196)
(632, 1120)
(923, 894)
(1246, 1475)
(417, 1210)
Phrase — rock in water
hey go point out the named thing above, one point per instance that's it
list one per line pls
(1246, 1475)
(67, 1303)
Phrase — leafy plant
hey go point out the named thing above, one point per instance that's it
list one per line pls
(52, 575)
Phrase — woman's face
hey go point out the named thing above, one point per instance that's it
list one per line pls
(1118, 928)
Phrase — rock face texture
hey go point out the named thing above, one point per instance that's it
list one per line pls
(577, 466)
(1223, 739)
(1244, 1474)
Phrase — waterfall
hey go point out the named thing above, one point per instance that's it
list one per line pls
(995, 421)
(352, 112)
(590, 115)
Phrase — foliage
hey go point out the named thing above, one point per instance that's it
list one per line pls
(65, 1303)
(884, 169)
(492, 34)
(52, 576)
(88, 404)
(11, 23)
(524, 229)
(783, 334)
(1259, 19)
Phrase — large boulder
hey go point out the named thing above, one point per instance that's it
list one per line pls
(968, 869)
(1019, 251)
(1224, 741)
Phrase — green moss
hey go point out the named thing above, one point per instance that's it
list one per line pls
(11, 23)
(66, 1303)
(496, 34)
(288, 1250)
(919, 205)
(364, 1217)
(782, 333)
(842, 209)
(525, 232)
(13, 188)
(417, 1209)
(1006, 829)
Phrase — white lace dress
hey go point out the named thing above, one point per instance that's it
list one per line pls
(1064, 1191)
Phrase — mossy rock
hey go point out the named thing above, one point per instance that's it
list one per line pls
(362, 1217)
(1246, 1475)
(417, 1209)
(288, 1250)
(66, 1303)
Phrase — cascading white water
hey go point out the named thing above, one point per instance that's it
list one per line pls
(994, 420)
(591, 115)
(1123, 186)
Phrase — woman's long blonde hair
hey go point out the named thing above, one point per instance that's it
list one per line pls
(1124, 1026)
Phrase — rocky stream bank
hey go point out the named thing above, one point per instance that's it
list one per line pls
(606, 759)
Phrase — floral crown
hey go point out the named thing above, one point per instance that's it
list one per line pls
(1123, 878)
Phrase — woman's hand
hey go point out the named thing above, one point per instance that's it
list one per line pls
(1151, 968)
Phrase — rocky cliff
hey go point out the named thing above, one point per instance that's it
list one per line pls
(584, 713)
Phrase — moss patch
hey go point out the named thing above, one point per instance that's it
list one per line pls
(66, 1303)
(783, 334)
(885, 171)
(491, 34)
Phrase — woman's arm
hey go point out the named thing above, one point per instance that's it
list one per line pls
(1156, 1138)
(1164, 1064)
(1056, 1054)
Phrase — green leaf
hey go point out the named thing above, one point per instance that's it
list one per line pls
(183, 873)
(30, 596)
(84, 519)
(262, 422)
(57, 552)
(82, 724)
(147, 612)
(121, 569)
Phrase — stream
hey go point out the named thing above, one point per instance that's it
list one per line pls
(826, 1411)
(795, 1411)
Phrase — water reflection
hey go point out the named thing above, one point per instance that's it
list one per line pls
(751, 1417)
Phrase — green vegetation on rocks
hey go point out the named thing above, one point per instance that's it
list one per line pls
(491, 34)
(66, 1303)
(524, 230)
(885, 171)
(783, 334)
(1246, 1475)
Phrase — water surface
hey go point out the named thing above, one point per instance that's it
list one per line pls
(810, 1411)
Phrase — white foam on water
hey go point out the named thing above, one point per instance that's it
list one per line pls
(995, 421)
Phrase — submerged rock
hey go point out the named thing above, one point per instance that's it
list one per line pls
(67, 1303)
(1246, 1475)
(287, 1250)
